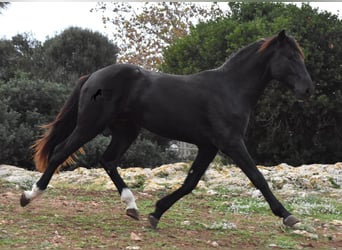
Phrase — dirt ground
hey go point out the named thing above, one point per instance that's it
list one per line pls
(87, 219)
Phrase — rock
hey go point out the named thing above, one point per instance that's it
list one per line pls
(273, 245)
(213, 243)
(337, 223)
(286, 180)
(306, 234)
(133, 247)
(278, 182)
(186, 223)
(256, 194)
(224, 225)
(135, 237)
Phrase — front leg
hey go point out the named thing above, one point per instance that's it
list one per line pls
(238, 152)
(204, 156)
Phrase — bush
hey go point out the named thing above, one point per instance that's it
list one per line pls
(24, 106)
(142, 153)
(93, 152)
(147, 153)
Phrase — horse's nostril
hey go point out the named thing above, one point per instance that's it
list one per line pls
(309, 91)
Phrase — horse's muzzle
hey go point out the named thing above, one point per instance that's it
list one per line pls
(304, 93)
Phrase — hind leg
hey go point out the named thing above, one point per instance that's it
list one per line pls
(123, 136)
(62, 151)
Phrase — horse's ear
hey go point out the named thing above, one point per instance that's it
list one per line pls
(282, 35)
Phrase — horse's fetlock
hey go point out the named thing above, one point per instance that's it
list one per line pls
(28, 196)
(128, 198)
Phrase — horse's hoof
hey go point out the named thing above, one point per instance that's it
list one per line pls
(153, 221)
(24, 201)
(131, 212)
(290, 221)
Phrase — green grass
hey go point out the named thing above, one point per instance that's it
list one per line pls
(283, 242)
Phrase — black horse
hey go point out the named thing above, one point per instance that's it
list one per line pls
(210, 109)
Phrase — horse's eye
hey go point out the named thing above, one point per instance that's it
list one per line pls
(291, 57)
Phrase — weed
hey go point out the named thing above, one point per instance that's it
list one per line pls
(321, 207)
(8, 241)
(139, 182)
(333, 183)
(27, 183)
(241, 205)
(283, 242)
(162, 174)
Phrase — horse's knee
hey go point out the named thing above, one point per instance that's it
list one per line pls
(186, 189)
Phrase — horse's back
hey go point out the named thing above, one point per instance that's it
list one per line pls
(174, 106)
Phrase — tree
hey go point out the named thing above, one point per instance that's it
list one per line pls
(76, 52)
(63, 58)
(142, 33)
(3, 5)
(283, 129)
(20, 54)
(204, 48)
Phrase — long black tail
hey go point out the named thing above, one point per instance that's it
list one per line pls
(58, 130)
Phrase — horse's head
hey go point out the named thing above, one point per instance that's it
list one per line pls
(287, 65)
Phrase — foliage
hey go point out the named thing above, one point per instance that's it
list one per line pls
(143, 32)
(3, 5)
(24, 105)
(202, 49)
(146, 151)
(28, 99)
(283, 129)
(76, 52)
(63, 58)
(93, 151)
(20, 54)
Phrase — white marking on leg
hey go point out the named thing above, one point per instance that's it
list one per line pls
(128, 198)
(34, 193)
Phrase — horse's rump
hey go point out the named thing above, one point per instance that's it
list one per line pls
(58, 130)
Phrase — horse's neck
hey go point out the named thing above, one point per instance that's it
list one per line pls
(248, 75)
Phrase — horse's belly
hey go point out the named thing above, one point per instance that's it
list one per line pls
(177, 126)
